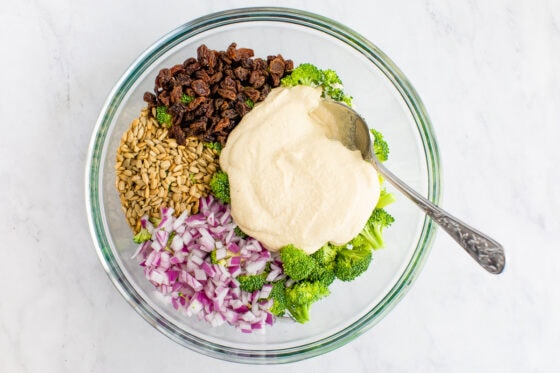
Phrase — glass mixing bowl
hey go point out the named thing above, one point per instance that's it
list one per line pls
(384, 98)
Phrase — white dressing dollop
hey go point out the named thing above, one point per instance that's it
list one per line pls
(292, 184)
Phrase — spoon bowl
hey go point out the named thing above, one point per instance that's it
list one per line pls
(354, 133)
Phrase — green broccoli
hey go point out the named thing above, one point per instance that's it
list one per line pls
(325, 259)
(252, 283)
(385, 198)
(278, 296)
(372, 234)
(304, 74)
(311, 75)
(330, 77)
(219, 184)
(301, 296)
(324, 275)
(142, 236)
(338, 94)
(326, 255)
(239, 233)
(214, 145)
(249, 103)
(350, 263)
(185, 99)
(380, 146)
(297, 264)
(162, 116)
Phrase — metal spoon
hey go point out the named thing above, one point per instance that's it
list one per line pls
(354, 133)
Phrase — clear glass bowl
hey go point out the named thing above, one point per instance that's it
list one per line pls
(381, 94)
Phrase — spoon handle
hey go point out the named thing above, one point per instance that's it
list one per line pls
(486, 251)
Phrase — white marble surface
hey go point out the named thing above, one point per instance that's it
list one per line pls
(489, 75)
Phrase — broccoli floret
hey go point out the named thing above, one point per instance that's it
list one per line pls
(142, 236)
(252, 283)
(337, 94)
(385, 198)
(326, 255)
(350, 263)
(301, 296)
(325, 259)
(249, 103)
(330, 77)
(162, 116)
(239, 233)
(214, 145)
(304, 74)
(219, 184)
(372, 234)
(324, 275)
(311, 75)
(278, 296)
(185, 99)
(297, 264)
(380, 146)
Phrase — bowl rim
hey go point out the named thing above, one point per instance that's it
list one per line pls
(97, 148)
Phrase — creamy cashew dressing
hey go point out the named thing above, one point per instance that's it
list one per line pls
(290, 182)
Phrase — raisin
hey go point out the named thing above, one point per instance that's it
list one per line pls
(163, 97)
(259, 64)
(265, 91)
(257, 79)
(229, 113)
(202, 75)
(206, 109)
(241, 73)
(195, 103)
(198, 127)
(192, 66)
(227, 93)
(289, 66)
(183, 79)
(177, 133)
(221, 125)
(275, 79)
(215, 78)
(242, 108)
(177, 69)
(150, 99)
(277, 66)
(163, 78)
(252, 93)
(200, 87)
(206, 57)
(176, 94)
(229, 83)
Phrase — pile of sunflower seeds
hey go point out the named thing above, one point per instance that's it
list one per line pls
(153, 171)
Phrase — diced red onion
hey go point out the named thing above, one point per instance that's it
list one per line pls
(181, 268)
(233, 247)
(208, 269)
(273, 275)
(265, 291)
(221, 253)
(200, 274)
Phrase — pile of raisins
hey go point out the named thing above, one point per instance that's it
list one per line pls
(207, 96)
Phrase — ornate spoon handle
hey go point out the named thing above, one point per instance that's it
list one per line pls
(486, 251)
